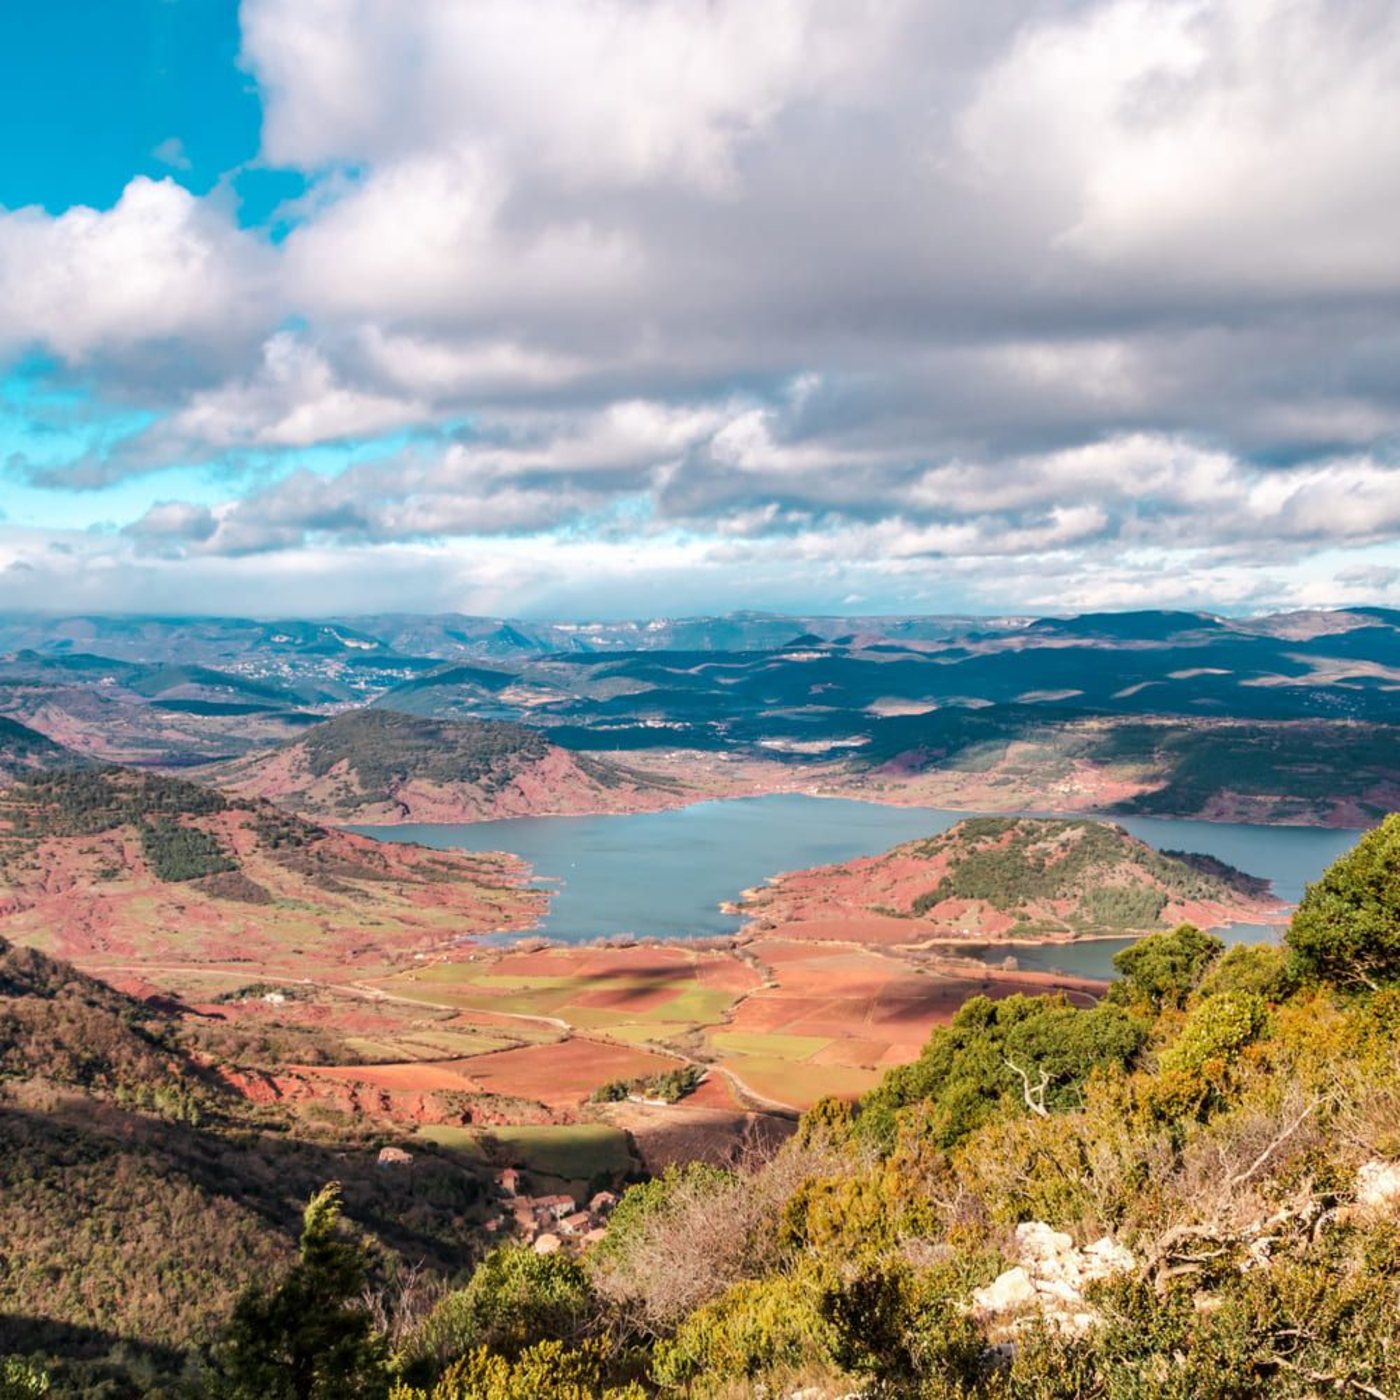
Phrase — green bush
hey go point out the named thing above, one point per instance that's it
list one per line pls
(758, 1327)
(546, 1371)
(21, 1381)
(1217, 1029)
(1163, 968)
(1347, 928)
(1259, 968)
(514, 1299)
(994, 1056)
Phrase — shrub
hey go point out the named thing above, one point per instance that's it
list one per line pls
(1259, 968)
(1347, 928)
(1162, 969)
(21, 1381)
(902, 1327)
(1035, 1052)
(758, 1327)
(548, 1369)
(1217, 1029)
(514, 1299)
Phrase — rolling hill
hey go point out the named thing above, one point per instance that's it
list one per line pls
(24, 750)
(993, 878)
(123, 871)
(380, 766)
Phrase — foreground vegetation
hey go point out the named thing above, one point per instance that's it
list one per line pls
(1190, 1190)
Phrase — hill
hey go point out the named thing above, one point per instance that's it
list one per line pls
(185, 1191)
(993, 878)
(23, 750)
(119, 870)
(381, 766)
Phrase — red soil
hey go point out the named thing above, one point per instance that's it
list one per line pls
(564, 1073)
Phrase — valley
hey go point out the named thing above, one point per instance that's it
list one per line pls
(414, 921)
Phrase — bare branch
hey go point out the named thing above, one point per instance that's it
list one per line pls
(1034, 1097)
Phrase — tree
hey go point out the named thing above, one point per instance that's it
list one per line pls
(1163, 969)
(514, 1299)
(1347, 929)
(310, 1338)
(21, 1381)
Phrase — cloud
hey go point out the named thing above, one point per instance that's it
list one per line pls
(1242, 144)
(603, 92)
(171, 152)
(1082, 284)
(161, 265)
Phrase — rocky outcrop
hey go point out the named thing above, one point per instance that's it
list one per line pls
(1049, 1280)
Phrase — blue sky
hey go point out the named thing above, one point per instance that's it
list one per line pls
(95, 89)
(586, 307)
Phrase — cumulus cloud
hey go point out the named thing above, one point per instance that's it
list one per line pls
(160, 265)
(917, 285)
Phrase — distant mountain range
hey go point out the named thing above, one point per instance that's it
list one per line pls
(1291, 717)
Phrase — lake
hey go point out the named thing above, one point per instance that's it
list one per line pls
(664, 874)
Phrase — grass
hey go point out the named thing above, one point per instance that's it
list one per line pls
(801, 1084)
(462, 1042)
(576, 1152)
(467, 1142)
(770, 1044)
(427, 1045)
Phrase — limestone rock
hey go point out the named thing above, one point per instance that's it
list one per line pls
(1007, 1293)
(1378, 1184)
(1050, 1279)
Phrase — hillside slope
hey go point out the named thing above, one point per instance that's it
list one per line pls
(123, 870)
(381, 767)
(24, 750)
(994, 878)
(138, 1195)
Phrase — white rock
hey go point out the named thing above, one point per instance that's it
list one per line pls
(1051, 1277)
(1104, 1258)
(1377, 1183)
(1063, 1289)
(1008, 1292)
(1037, 1241)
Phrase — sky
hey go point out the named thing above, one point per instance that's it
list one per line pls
(598, 308)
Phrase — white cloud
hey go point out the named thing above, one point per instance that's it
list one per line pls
(608, 91)
(160, 264)
(294, 400)
(1248, 140)
(916, 286)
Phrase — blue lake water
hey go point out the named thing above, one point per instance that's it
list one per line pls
(665, 874)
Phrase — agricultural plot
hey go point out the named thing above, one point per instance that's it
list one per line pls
(836, 1017)
(569, 1157)
(565, 1074)
(631, 995)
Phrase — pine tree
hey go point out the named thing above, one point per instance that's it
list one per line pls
(310, 1338)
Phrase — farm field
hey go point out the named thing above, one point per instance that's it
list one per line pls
(834, 1016)
(781, 1020)
(569, 1157)
(634, 995)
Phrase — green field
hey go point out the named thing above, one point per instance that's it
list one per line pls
(572, 1155)
(476, 987)
(770, 1044)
